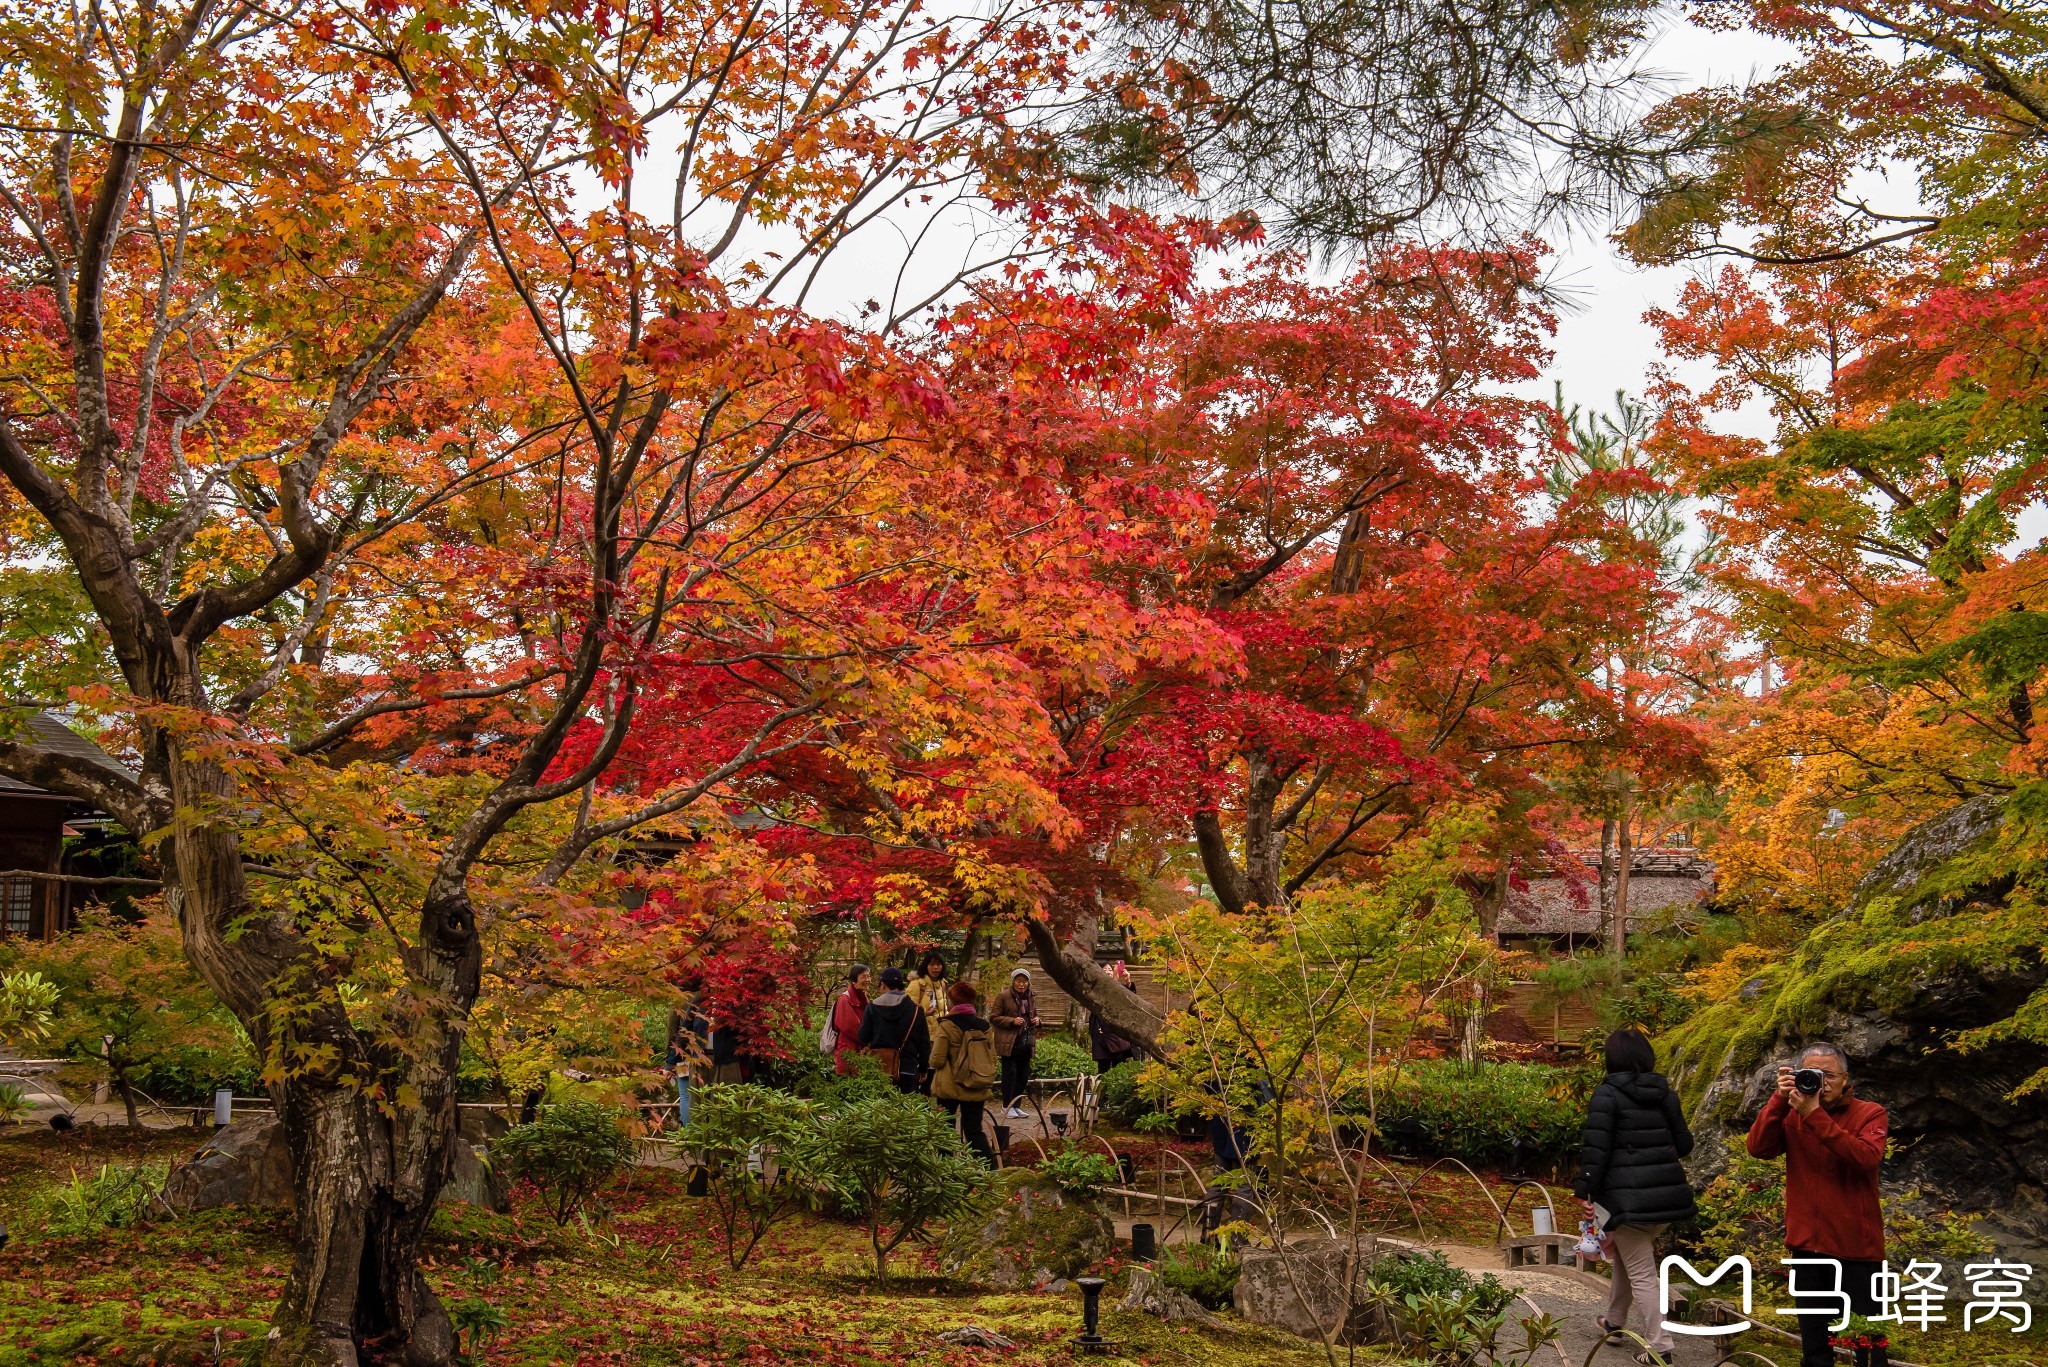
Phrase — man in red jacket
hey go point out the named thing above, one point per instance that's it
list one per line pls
(1832, 1144)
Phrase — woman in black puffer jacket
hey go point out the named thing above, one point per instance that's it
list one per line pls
(1631, 1180)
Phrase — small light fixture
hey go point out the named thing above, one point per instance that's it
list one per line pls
(1091, 1309)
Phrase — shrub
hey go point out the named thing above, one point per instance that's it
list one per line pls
(13, 1102)
(1058, 1056)
(477, 1322)
(1477, 1114)
(130, 981)
(574, 1148)
(1076, 1170)
(1432, 1274)
(896, 1163)
(863, 1081)
(1122, 1099)
(28, 1003)
(190, 1074)
(1201, 1272)
(114, 1198)
(1452, 1318)
(750, 1140)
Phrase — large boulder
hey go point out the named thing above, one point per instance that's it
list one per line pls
(245, 1164)
(1028, 1225)
(1309, 1287)
(249, 1164)
(1963, 1142)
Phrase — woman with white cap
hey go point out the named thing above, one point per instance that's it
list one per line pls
(1015, 1015)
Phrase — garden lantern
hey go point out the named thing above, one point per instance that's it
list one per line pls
(1091, 1298)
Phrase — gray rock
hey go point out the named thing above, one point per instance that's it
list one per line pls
(1307, 1288)
(1154, 1297)
(245, 1164)
(477, 1181)
(249, 1164)
(1908, 870)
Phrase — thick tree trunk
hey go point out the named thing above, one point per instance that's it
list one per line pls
(364, 1185)
(1265, 842)
(1225, 879)
(371, 1128)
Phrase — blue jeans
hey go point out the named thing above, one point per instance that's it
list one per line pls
(683, 1099)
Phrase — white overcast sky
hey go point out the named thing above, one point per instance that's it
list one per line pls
(1603, 344)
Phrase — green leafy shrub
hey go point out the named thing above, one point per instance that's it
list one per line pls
(13, 1102)
(1476, 1114)
(570, 1151)
(130, 983)
(190, 1074)
(1202, 1272)
(1076, 1170)
(28, 1003)
(1058, 1056)
(1432, 1274)
(1452, 1318)
(113, 1198)
(894, 1162)
(863, 1081)
(750, 1140)
(477, 1322)
(1122, 1099)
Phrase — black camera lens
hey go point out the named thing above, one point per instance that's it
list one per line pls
(1809, 1081)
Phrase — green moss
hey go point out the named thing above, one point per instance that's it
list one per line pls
(1731, 1034)
(648, 1285)
(1962, 896)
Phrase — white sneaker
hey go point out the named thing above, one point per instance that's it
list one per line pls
(1016, 1113)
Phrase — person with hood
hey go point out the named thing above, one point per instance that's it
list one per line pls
(1631, 1180)
(895, 1031)
(848, 1010)
(964, 1067)
(1015, 1016)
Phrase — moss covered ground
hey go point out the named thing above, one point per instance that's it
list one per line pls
(646, 1284)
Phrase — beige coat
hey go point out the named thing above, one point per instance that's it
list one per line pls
(949, 1039)
(930, 996)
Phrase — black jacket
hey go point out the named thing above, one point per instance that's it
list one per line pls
(893, 1021)
(1635, 1135)
(1106, 1046)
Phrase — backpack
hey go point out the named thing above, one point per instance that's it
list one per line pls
(828, 1035)
(974, 1062)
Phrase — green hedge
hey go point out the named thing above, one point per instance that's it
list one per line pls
(1476, 1114)
(1058, 1056)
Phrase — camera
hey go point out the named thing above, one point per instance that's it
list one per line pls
(1809, 1081)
